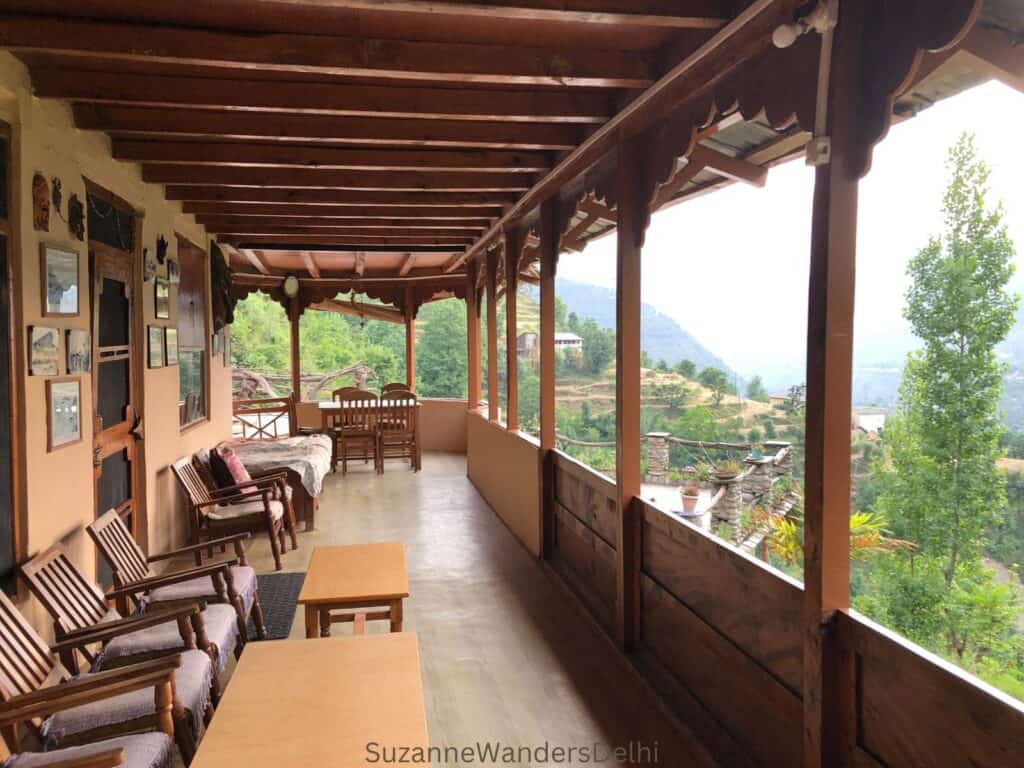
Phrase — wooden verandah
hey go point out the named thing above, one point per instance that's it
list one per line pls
(409, 151)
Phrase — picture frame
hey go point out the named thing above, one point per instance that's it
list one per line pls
(43, 348)
(63, 412)
(171, 344)
(155, 335)
(60, 278)
(78, 351)
(162, 298)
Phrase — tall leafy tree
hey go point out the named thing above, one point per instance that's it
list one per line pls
(441, 350)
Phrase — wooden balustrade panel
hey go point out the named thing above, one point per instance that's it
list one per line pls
(752, 605)
(587, 495)
(587, 564)
(916, 709)
(756, 711)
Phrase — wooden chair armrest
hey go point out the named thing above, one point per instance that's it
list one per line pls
(270, 474)
(166, 579)
(236, 497)
(111, 629)
(88, 688)
(259, 482)
(197, 547)
(111, 758)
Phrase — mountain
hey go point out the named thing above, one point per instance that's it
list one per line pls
(661, 336)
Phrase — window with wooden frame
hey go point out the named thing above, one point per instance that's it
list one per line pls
(193, 334)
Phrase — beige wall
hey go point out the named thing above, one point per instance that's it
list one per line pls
(59, 484)
(505, 468)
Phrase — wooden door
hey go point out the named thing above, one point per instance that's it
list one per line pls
(116, 441)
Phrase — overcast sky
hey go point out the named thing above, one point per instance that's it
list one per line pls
(728, 264)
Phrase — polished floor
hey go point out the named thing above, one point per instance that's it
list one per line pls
(507, 655)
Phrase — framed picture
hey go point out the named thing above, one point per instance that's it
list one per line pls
(58, 273)
(43, 344)
(171, 335)
(63, 412)
(162, 299)
(78, 350)
(156, 346)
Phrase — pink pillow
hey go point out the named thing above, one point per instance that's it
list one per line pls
(239, 474)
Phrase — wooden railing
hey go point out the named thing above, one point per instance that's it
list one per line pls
(263, 419)
(721, 642)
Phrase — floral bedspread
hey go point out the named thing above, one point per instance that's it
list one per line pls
(308, 455)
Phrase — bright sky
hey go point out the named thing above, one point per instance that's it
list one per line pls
(727, 265)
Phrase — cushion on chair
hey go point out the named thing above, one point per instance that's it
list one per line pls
(223, 458)
(243, 577)
(221, 629)
(192, 682)
(143, 750)
(244, 508)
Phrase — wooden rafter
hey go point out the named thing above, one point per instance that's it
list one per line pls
(288, 242)
(322, 98)
(211, 193)
(407, 265)
(315, 223)
(360, 266)
(309, 259)
(360, 309)
(255, 260)
(469, 216)
(402, 60)
(348, 232)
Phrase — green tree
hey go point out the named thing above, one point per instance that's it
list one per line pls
(441, 349)
(717, 381)
(756, 390)
(686, 368)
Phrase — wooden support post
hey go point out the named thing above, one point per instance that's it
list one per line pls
(514, 241)
(410, 340)
(828, 670)
(550, 231)
(294, 312)
(492, 336)
(472, 336)
(632, 218)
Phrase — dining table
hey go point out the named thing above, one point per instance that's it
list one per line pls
(331, 406)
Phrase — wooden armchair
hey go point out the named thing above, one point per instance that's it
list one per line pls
(397, 429)
(262, 503)
(39, 692)
(131, 568)
(353, 427)
(78, 606)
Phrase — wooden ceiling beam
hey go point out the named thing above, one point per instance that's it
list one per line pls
(598, 211)
(290, 155)
(294, 242)
(323, 129)
(255, 260)
(284, 233)
(400, 60)
(360, 267)
(309, 261)
(323, 98)
(407, 265)
(734, 168)
(315, 178)
(341, 213)
(315, 197)
(360, 309)
(245, 223)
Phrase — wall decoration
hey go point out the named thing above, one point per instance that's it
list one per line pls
(56, 195)
(78, 350)
(173, 274)
(149, 265)
(42, 351)
(40, 203)
(64, 412)
(161, 249)
(76, 217)
(222, 303)
(162, 299)
(156, 346)
(59, 276)
(171, 335)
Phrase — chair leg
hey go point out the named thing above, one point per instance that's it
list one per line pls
(243, 631)
(281, 537)
(257, 617)
(289, 512)
(275, 550)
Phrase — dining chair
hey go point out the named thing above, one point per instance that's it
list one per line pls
(353, 427)
(62, 710)
(262, 503)
(398, 386)
(337, 393)
(131, 568)
(396, 434)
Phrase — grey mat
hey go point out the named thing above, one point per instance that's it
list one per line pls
(278, 593)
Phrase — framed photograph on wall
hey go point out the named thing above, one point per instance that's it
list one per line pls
(171, 335)
(78, 350)
(156, 346)
(59, 275)
(43, 345)
(162, 299)
(63, 412)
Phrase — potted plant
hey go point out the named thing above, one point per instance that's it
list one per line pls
(727, 470)
(690, 494)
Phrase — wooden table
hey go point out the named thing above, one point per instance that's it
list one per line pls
(326, 406)
(293, 703)
(352, 577)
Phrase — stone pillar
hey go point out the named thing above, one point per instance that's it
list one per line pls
(657, 458)
(758, 481)
(784, 468)
(729, 507)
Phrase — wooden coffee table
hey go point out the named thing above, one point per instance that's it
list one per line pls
(347, 578)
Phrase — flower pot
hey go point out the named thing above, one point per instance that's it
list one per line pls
(689, 503)
(725, 477)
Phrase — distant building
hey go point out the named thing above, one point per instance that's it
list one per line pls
(528, 344)
(564, 341)
(869, 419)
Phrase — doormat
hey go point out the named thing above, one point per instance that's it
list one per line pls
(278, 593)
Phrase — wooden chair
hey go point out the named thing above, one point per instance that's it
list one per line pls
(336, 394)
(131, 568)
(398, 386)
(78, 605)
(354, 428)
(397, 429)
(39, 692)
(218, 512)
(265, 419)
